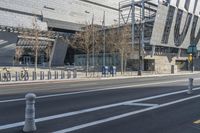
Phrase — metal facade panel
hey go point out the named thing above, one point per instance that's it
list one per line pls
(178, 33)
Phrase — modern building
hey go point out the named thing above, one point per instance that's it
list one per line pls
(167, 30)
(61, 16)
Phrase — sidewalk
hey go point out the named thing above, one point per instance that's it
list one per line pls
(83, 78)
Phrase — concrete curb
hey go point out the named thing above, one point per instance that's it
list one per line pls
(91, 79)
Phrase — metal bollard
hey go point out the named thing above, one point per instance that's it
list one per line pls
(34, 75)
(190, 86)
(74, 73)
(68, 74)
(29, 125)
(41, 75)
(11, 76)
(49, 75)
(62, 74)
(56, 75)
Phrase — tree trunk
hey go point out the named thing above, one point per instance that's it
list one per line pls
(87, 64)
(122, 63)
(125, 64)
(36, 59)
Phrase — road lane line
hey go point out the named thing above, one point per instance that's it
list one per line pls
(93, 109)
(141, 104)
(197, 122)
(122, 115)
(97, 90)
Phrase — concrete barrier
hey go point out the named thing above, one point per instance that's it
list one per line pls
(190, 86)
(29, 125)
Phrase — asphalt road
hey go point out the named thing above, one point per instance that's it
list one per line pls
(134, 105)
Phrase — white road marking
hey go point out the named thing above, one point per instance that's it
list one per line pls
(88, 91)
(123, 115)
(141, 104)
(3, 127)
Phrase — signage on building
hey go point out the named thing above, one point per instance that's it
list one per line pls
(177, 27)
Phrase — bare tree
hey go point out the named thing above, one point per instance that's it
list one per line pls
(18, 54)
(36, 32)
(118, 40)
(49, 35)
(34, 37)
(83, 41)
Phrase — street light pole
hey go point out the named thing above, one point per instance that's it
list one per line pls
(141, 44)
(93, 43)
(140, 47)
(192, 58)
(133, 22)
(104, 41)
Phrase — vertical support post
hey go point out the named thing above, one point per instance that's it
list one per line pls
(190, 86)
(153, 51)
(49, 75)
(62, 74)
(10, 74)
(141, 45)
(68, 74)
(139, 52)
(74, 73)
(179, 53)
(16, 76)
(143, 37)
(192, 63)
(55, 75)
(34, 76)
(104, 41)
(119, 15)
(93, 42)
(143, 19)
(133, 22)
(41, 75)
(29, 125)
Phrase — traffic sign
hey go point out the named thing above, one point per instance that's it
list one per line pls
(192, 49)
(190, 58)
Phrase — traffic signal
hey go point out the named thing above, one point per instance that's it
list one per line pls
(190, 57)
